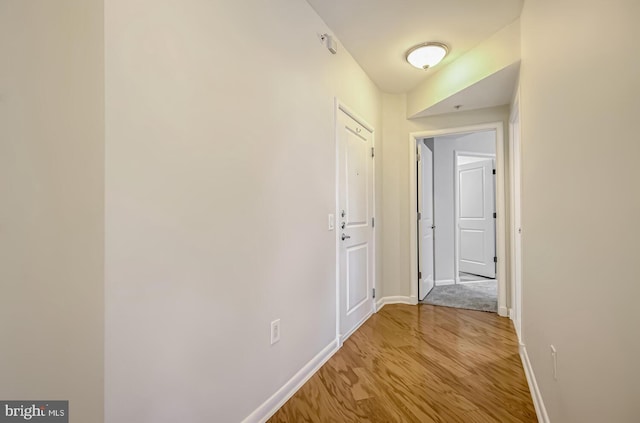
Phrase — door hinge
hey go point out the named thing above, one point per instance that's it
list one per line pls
(495, 259)
(494, 171)
(373, 222)
(495, 215)
(419, 275)
(374, 292)
(373, 151)
(419, 215)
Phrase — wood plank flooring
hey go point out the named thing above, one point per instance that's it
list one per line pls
(419, 364)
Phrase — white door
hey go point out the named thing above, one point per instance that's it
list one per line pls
(355, 229)
(425, 221)
(476, 224)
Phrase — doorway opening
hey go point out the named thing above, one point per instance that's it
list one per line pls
(458, 176)
(458, 194)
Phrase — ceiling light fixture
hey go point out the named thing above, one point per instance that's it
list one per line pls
(427, 55)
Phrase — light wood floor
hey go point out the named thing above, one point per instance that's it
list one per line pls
(419, 364)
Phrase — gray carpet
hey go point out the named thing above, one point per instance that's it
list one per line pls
(481, 296)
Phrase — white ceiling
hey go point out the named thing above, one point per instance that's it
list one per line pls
(378, 33)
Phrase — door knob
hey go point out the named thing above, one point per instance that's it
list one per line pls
(433, 227)
(343, 225)
(345, 237)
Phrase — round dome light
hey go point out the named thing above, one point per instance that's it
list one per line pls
(427, 55)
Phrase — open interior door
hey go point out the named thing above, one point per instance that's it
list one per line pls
(425, 221)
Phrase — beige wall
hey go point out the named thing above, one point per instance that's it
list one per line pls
(51, 212)
(580, 102)
(395, 208)
(220, 174)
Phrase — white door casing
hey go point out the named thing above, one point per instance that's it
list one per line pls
(355, 225)
(516, 228)
(476, 224)
(500, 198)
(425, 221)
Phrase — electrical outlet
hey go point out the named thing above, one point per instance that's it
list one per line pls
(554, 357)
(275, 331)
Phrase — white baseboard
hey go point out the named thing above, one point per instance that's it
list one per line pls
(277, 400)
(516, 325)
(503, 311)
(398, 299)
(478, 281)
(536, 396)
(443, 282)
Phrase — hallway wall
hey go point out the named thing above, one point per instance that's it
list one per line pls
(51, 203)
(580, 102)
(220, 174)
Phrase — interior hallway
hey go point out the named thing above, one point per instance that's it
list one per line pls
(419, 364)
(168, 180)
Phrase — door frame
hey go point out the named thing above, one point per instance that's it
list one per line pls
(501, 208)
(340, 106)
(516, 210)
(456, 210)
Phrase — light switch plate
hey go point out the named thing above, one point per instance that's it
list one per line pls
(275, 331)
